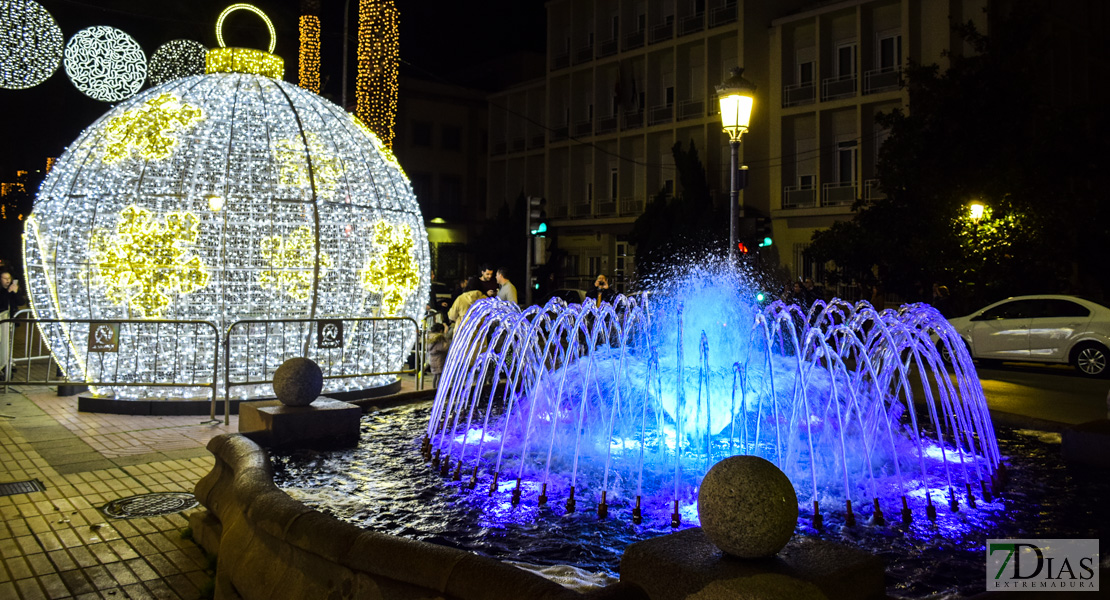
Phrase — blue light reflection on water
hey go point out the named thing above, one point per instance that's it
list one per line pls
(385, 485)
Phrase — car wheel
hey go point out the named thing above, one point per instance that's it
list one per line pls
(1090, 359)
(945, 355)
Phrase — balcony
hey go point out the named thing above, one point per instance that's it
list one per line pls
(631, 206)
(840, 193)
(559, 133)
(843, 86)
(581, 209)
(691, 109)
(633, 119)
(634, 40)
(498, 148)
(663, 31)
(607, 209)
(518, 144)
(871, 191)
(560, 211)
(661, 114)
(722, 15)
(560, 61)
(607, 48)
(606, 125)
(584, 54)
(691, 24)
(882, 80)
(797, 94)
(799, 196)
(536, 141)
(583, 128)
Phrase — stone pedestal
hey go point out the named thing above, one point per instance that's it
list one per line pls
(686, 565)
(324, 424)
(1088, 443)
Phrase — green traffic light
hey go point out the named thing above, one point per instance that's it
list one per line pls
(541, 229)
(766, 242)
(759, 297)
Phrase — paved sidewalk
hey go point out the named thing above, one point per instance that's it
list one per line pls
(57, 543)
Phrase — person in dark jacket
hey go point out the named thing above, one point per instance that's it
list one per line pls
(600, 291)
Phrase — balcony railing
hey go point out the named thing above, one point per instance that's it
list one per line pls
(871, 191)
(633, 119)
(798, 196)
(606, 125)
(536, 141)
(581, 209)
(691, 109)
(584, 54)
(722, 15)
(634, 40)
(607, 48)
(662, 32)
(632, 206)
(839, 193)
(560, 61)
(691, 24)
(797, 94)
(882, 80)
(838, 87)
(583, 128)
(559, 133)
(607, 209)
(660, 114)
(560, 211)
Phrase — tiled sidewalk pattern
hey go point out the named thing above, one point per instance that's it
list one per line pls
(56, 544)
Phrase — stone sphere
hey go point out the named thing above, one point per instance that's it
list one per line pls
(747, 506)
(298, 381)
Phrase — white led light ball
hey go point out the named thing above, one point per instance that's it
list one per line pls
(176, 59)
(30, 44)
(223, 197)
(105, 63)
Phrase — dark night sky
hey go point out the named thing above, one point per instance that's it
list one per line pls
(436, 39)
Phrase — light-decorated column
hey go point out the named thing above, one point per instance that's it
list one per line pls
(308, 72)
(376, 83)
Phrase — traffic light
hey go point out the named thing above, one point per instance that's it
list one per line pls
(763, 231)
(742, 247)
(537, 224)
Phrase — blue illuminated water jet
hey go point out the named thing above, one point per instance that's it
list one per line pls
(624, 406)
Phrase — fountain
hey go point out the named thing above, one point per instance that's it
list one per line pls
(626, 405)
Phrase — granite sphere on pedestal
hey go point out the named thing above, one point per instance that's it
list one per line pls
(748, 507)
(298, 381)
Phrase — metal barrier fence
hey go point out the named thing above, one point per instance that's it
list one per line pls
(338, 346)
(157, 353)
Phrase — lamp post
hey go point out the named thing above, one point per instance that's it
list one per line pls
(736, 95)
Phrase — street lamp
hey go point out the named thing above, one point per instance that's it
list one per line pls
(736, 95)
(975, 210)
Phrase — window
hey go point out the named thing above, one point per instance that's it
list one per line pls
(422, 134)
(613, 183)
(805, 66)
(450, 190)
(670, 96)
(668, 187)
(1018, 309)
(805, 182)
(1063, 308)
(422, 187)
(846, 161)
(451, 137)
(589, 192)
(890, 51)
(595, 265)
(641, 22)
(846, 59)
(805, 73)
(616, 26)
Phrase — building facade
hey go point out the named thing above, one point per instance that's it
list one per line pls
(627, 79)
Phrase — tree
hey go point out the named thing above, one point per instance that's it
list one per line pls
(982, 130)
(687, 225)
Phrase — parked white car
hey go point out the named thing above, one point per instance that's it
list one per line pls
(1044, 328)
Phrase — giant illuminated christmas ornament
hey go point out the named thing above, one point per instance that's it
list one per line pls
(105, 63)
(176, 59)
(223, 197)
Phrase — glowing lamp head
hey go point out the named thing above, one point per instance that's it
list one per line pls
(736, 95)
(976, 210)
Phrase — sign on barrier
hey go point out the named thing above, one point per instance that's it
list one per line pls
(103, 337)
(329, 334)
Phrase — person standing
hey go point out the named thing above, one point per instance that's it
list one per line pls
(461, 306)
(438, 345)
(486, 283)
(9, 304)
(600, 290)
(505, 290)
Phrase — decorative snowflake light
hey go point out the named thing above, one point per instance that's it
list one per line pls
(181, 203)
(105, 63)
(30, 44)
(176, 59)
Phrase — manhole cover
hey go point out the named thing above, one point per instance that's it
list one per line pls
(149, 505)
(21, 487)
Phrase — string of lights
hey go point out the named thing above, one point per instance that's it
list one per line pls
(378, 54)
(30, 44)
(176, 59)
(309, 66)
(105, 63)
